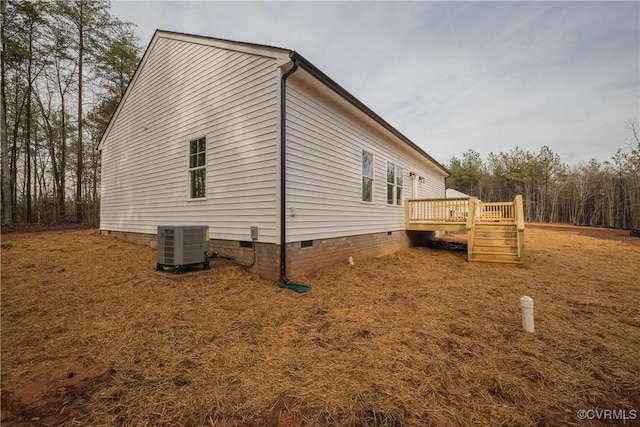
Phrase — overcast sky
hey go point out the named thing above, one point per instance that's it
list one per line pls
(452, 75)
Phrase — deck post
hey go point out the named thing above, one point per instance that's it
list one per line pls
(471, 222)
(520, 225)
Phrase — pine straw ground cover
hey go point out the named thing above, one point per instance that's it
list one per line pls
(91, 335)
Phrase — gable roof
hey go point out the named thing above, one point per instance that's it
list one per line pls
(283, 56)
(453, 193)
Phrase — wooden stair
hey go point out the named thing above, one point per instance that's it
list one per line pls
(495, 229)
(495, 242)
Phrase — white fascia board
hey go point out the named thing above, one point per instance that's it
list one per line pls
(248, 48)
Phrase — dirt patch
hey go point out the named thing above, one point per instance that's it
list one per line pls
(420, 337)
(53, 398)
(615, 234)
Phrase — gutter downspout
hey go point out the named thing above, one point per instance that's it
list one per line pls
(283, 169)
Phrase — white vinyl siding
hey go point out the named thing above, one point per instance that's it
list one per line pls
(185, 90)
(324, 170)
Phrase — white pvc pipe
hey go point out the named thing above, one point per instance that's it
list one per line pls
(526, 303)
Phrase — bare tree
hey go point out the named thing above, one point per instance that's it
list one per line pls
(40, 65)
(634, 127)
(7, 205)
(90, 18)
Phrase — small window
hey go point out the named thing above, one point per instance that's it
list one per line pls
(395, 184)
(245, 244)
(367, 177)
(197, 168)
(306, 243)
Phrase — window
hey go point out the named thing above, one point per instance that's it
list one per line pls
(399, 185)
(395, 182)
(367, 177)
(197, 168)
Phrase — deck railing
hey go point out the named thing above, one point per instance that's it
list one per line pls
(464, 210)
(496, 212)
(438, 210)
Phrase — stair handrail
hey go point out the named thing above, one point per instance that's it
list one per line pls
(519, 212)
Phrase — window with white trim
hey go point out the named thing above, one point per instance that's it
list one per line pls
(395, 183)
(197, 168)
(367, 177)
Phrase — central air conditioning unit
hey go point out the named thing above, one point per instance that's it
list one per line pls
(182, 246)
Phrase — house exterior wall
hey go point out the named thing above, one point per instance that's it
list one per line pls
(324, 170)
(187, 89)
(183, 92)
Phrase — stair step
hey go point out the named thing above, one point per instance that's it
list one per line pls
(498, 241)
(499, 261)
(494, 255)
(504, 250)
(488, 241)
(496, 230)
(506, 235)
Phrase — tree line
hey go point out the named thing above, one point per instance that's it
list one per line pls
(591, 193)
(65, 65)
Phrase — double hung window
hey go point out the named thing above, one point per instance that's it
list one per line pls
(367, 177)
(395, 183)
(198, 168)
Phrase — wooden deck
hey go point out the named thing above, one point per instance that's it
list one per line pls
(496, 230)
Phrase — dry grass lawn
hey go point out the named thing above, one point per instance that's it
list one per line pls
(92, 335)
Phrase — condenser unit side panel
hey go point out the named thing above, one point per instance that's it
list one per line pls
(194, 245)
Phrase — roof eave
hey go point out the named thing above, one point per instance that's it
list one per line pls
(329, 82)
